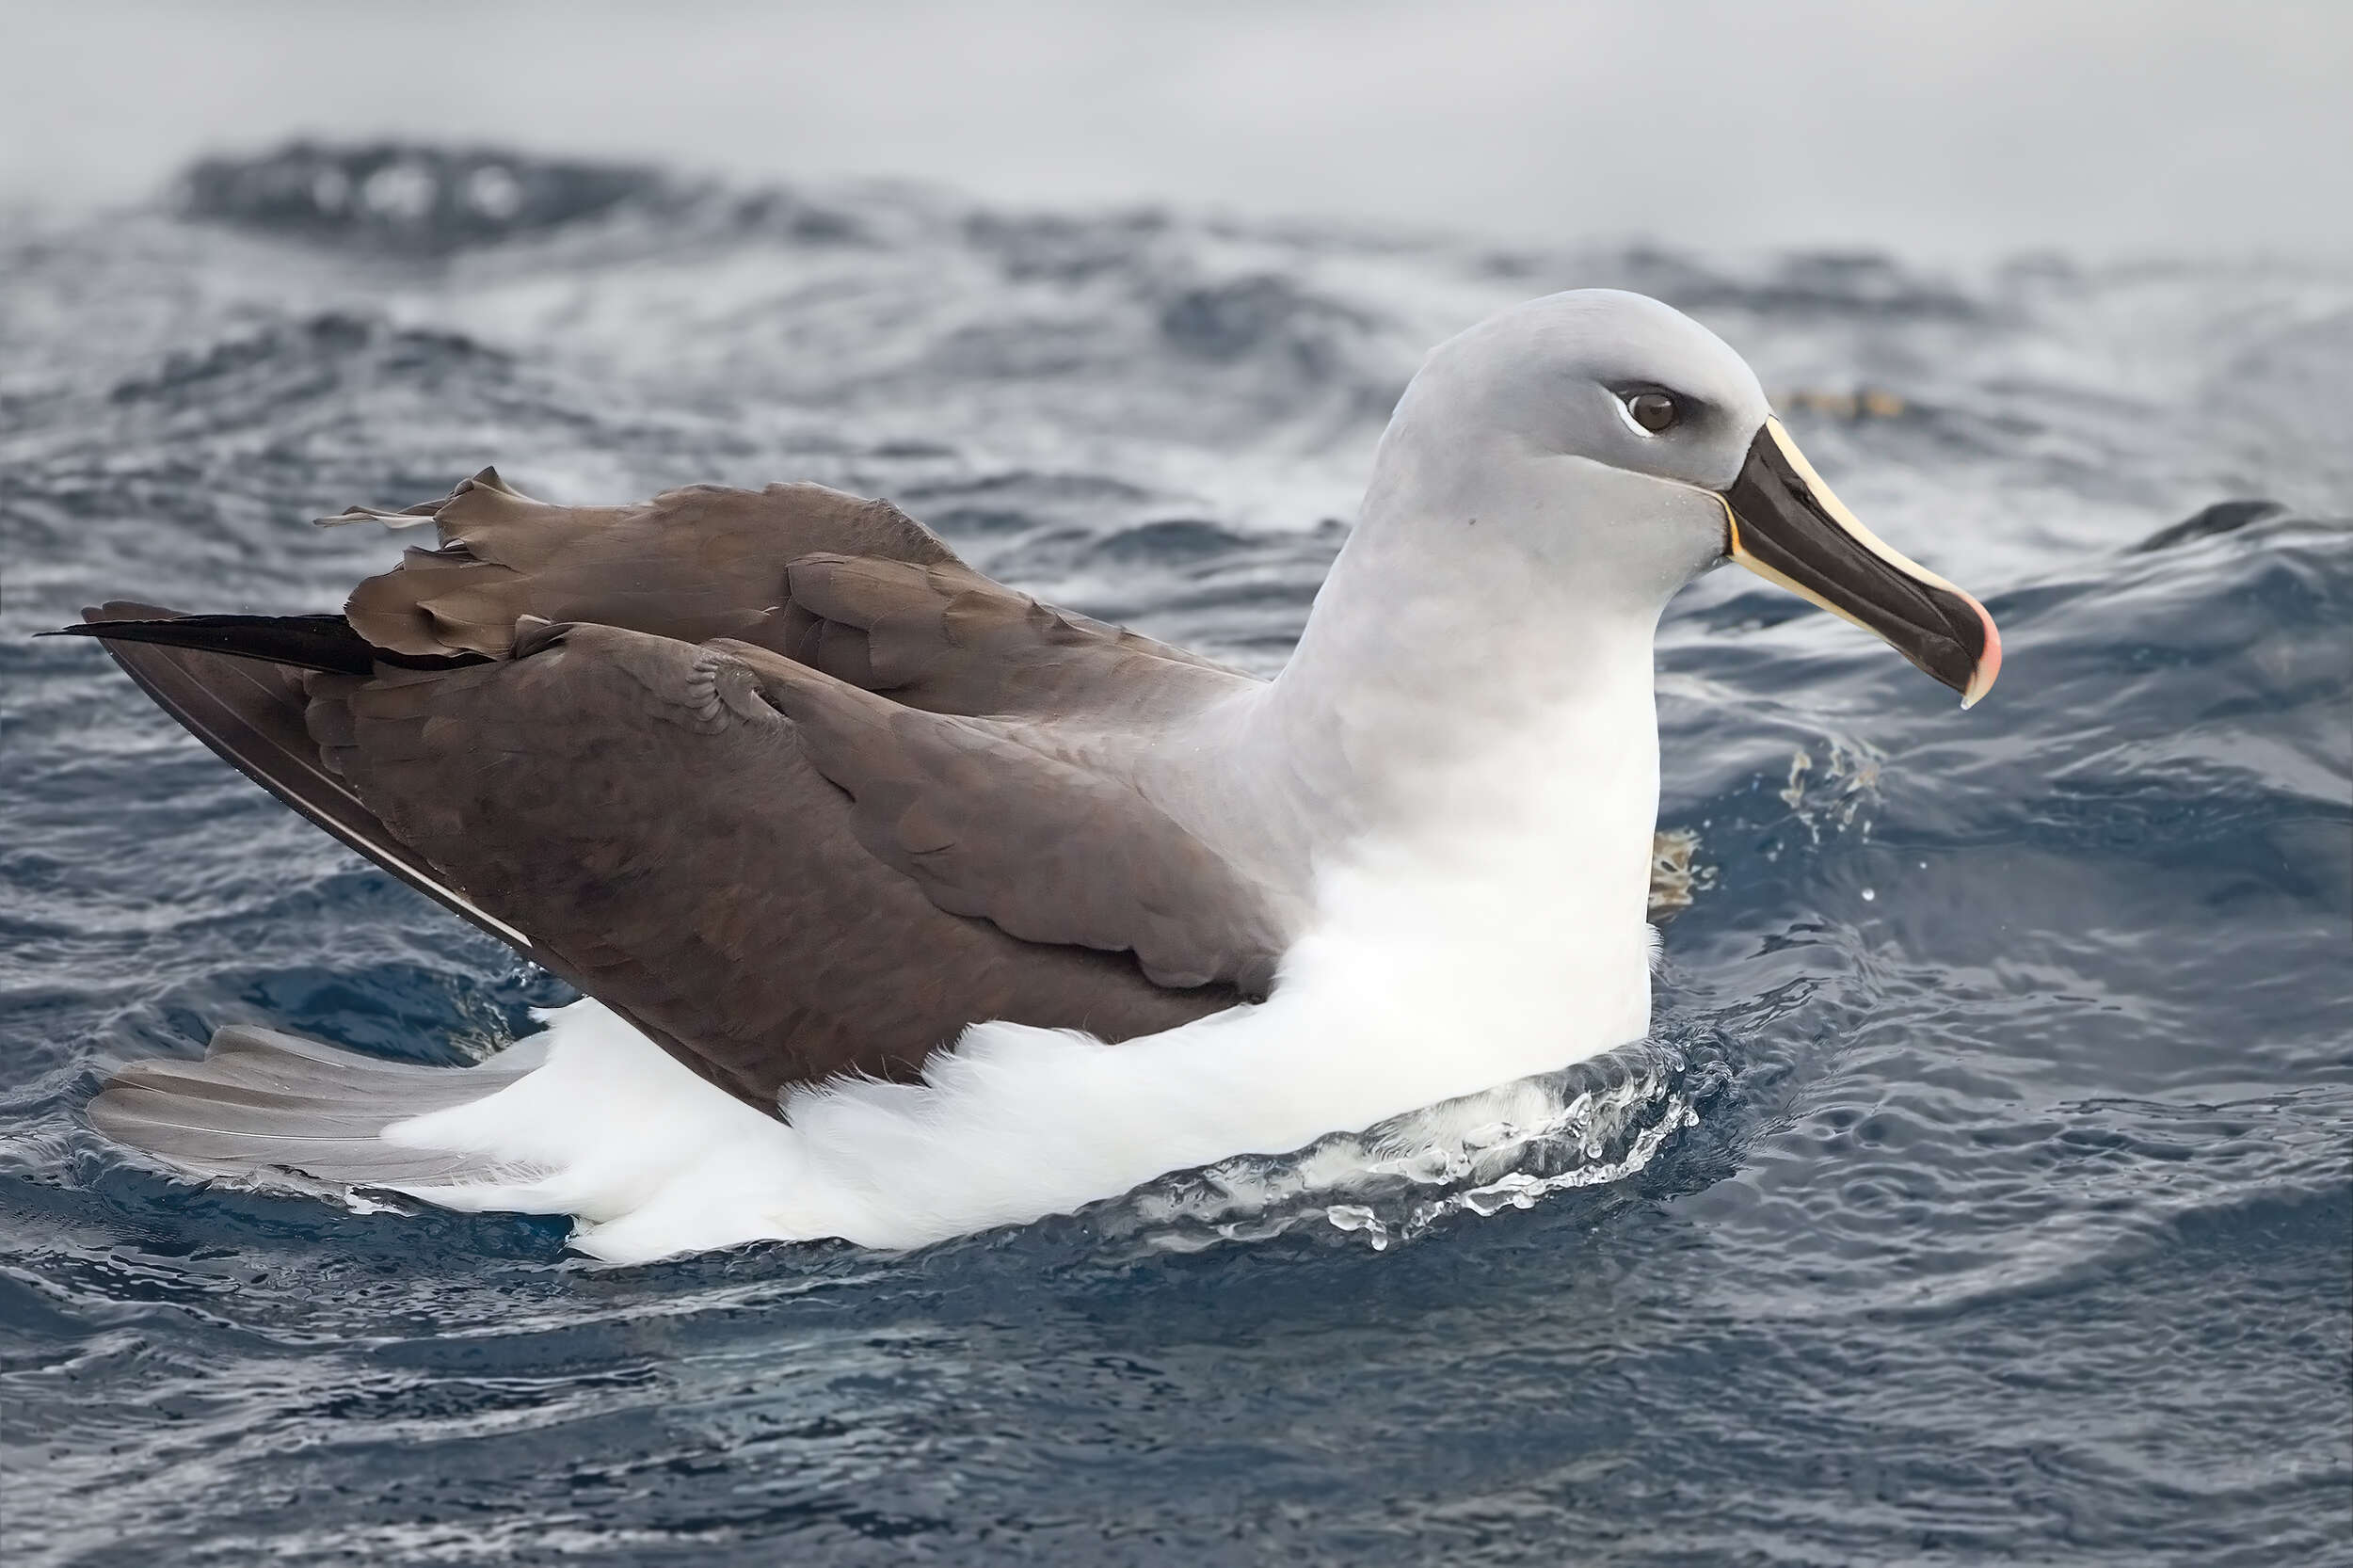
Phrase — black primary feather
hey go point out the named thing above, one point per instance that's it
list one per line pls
(305, 642)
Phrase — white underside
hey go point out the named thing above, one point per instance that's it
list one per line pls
(1437, 972)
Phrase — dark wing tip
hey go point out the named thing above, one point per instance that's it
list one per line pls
(305, 642)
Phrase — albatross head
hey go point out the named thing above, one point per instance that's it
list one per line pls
(1610, 444)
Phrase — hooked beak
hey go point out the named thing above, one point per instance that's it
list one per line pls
(1787, 526)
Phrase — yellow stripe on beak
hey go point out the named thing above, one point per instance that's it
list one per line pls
(1784, 523)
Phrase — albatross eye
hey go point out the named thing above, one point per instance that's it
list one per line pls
(1654, 411)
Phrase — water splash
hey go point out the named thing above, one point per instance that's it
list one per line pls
(1509, 1147)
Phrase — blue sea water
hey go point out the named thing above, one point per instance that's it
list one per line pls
(1985, 1193)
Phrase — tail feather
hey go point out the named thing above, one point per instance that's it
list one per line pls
(263, 1104)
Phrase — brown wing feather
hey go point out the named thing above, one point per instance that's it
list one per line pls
(690, 564)
(252, 715)
(614, 802)
(633, 804)
(1049, 851)
(854, 588)
(939, 636)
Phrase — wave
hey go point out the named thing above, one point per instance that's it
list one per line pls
(409, 197)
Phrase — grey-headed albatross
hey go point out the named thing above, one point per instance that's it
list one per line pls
(906, 907)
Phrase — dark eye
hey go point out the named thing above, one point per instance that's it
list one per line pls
(1654, 411)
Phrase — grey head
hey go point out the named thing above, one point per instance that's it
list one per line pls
(1608, 443)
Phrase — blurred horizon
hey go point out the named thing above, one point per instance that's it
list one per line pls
(1942, 130)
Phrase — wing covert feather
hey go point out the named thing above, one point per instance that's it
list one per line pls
(692, 564)
(850, 586)
(1051, 851)
(939, 636)
(636, 805)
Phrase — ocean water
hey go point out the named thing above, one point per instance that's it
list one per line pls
(1984, 1194)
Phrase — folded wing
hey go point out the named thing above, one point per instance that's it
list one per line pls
(547, 740)
(659, 830)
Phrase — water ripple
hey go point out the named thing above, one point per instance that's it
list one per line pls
(1981, 1194)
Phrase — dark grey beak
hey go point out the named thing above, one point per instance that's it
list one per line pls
(1784, 525)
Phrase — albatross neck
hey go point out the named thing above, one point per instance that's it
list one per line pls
(1459, 769)
(1441, 668)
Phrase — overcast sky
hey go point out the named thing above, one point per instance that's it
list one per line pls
(1938, 127)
